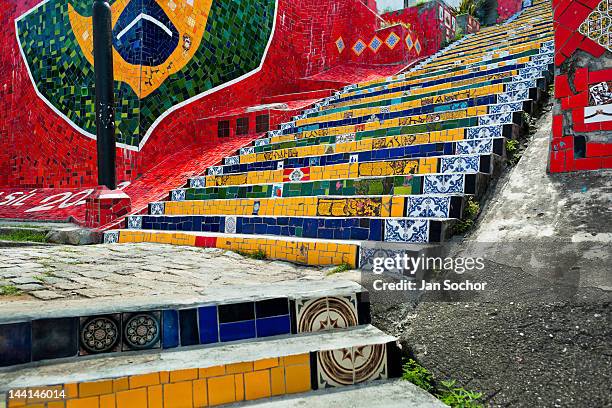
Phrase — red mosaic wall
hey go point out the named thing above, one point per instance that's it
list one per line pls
(431, 23)
(507, 8)
(582, 120)
(38, 149)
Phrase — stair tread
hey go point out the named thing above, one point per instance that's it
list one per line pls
(380, 394)
(27, 310)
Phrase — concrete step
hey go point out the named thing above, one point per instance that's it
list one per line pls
(216, 375)
(380, 394)
(69, 330)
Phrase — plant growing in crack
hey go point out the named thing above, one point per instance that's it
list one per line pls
(470, 213)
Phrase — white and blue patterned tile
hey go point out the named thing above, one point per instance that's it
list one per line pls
(247, 150)
(158, 208)
(314, 161)
(111, 237)
(287, 126)
(506, 107)
(178, 195)
(460, 164)
(428, 207)
(548, 46)
(507, 97)
(385, 109)
(230, 225)
(134, 222)
(197, 182)
(280, 165)
(481, 132)
(354, 158)
(408, 231)
(444, 184)
(263, 141)
(517, 86)
(232, 160)
(475, 146)
(496, 119)
(215, 171)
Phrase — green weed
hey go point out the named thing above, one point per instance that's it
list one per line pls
(341, 268)
(23, 236)
(470, 213)
(9, 290)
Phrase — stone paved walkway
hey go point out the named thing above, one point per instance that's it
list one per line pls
(64, 272)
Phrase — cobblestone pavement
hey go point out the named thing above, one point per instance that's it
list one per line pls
(65, 272)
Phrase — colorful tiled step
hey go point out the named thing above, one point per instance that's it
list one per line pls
(472, 146)
(429, 225)
(472, 184)
(307, 251)
(450, 206)
(216, 375)
(157, 323)
(484, 163)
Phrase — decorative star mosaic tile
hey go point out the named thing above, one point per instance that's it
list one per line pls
(359, 47)
(392, 40)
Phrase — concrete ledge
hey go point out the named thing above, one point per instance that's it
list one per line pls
(27, 310)
(98, 368)
(388, 394)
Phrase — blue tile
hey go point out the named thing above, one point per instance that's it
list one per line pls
(55, 338)
(15, 343)
(170, 329)
(273, 326)
(237, 330)
(188, 321)
(209, 326)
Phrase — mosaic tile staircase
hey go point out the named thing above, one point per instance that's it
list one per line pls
(235, 345)
(384, 162)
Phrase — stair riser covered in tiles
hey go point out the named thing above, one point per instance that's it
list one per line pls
(472, 184)
(474, 146)
(360, 229)
(363, 141)
(440, 164)
(512, 72)
(318, 253)
(226, 383)
(467, 118)
(375, 206)
(74, 336)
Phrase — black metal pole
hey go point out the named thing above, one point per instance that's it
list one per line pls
(104, 89)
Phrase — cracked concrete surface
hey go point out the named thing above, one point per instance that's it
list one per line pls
(66, 272)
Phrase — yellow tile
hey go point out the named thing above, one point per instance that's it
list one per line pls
(16, 402)
(72, 390)
(239, 367)
(265, 363)
(62, 404)
(89, 389)
(297, 378)
(257, 385)
(155, 397)
(132, 398)
(178, 395)
(164, 377)
(221, 390)
(144, 380)
(91, 402)
(106, 401)
(277, 376)
(239, 384)
(200, 394)
(183, 375)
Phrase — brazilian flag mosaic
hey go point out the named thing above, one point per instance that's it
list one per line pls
(166, 53)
